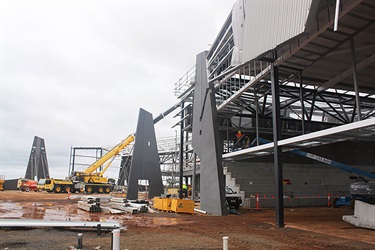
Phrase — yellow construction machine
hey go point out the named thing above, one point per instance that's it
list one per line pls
(89, 180)
(2, 180)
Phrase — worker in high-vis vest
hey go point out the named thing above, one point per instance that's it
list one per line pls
(184, 190)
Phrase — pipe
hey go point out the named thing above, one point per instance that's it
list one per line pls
(200, 211)
(44, 223)
(193, 181)
(225, 242)
(99, 229)
(336, 24)
(116, 233)
(80, 241)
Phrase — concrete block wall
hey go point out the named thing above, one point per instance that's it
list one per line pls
(309, 183)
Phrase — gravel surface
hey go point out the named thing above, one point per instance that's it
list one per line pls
(306, 228)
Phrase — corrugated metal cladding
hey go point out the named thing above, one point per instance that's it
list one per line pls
(269, 23)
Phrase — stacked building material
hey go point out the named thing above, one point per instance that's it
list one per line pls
(91, 204)
(123, 205)
(141, 205)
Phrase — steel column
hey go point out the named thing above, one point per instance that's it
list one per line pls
(301, 96)
(72, 161)
(278, 163)
(357, 100)
(193, 180)
(228, 120)
(257, 118)
(181, 156)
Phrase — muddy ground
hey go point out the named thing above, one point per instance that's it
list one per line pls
(305, 228)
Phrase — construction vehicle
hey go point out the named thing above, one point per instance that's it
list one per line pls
(233, 199)
(56, 185)
(26, 185)
(364, 191)
(2, 180)
(90, 180)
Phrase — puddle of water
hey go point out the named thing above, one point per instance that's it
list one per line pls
(9, 211)
(70, 212)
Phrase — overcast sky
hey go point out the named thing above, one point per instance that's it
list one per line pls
(76, 72)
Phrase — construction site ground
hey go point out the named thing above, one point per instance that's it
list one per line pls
(305, 228)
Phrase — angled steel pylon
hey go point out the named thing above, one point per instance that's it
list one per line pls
(37, 167)
(145, 164)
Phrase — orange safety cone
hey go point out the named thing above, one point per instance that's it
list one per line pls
(68, 195)
(257, 203)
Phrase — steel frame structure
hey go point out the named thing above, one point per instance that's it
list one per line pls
(321, 79)
(298, 83)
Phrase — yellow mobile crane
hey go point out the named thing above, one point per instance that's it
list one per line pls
(89, 180)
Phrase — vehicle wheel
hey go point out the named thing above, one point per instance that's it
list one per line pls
(107, 190)
(27, 189)
(89, 190)
(334, 203)
(100, 190)
(58, 189)
(68, 189)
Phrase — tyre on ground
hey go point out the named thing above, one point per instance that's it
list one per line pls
(100, 190)
(107, 190)
(58, 189)
(68, 189)
(89, 189)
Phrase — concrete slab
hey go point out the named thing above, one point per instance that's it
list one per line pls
(364, 215)
(358, 222)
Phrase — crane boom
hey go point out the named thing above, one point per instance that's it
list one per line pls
(117, 149)
(114, 151)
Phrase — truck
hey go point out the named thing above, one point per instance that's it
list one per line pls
(233, 199)
(26, 185)
(55, 185)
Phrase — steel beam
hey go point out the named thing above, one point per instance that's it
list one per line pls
(303, 140)
(181, 154)
(46, 223)
(277, 150)
(301, 95)
(357, 100)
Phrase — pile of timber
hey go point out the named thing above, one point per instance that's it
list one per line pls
(91, 204)
(132, 207)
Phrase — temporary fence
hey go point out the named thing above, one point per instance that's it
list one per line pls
(264, 201)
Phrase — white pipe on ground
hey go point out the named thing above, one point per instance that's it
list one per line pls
(116, 233)
(200, 211)
(225, 242)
